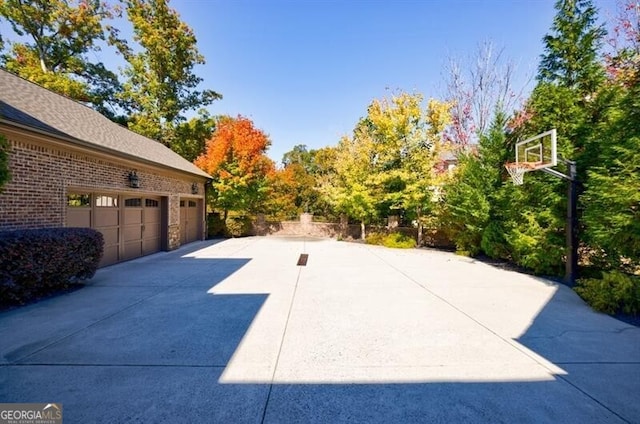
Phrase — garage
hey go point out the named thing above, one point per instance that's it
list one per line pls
(73, 167)
(191, 218)
(131, 224)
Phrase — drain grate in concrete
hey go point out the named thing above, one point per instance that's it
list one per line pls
(302, 260)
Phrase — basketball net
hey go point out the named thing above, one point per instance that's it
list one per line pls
(517, 170)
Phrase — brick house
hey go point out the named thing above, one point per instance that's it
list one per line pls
(73, 167)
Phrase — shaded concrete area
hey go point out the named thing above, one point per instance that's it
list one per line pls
(234, 331)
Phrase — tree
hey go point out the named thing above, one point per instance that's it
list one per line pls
(611, 199)
(190, 137)
(472, 213)
(387, 166)
(299, 155)
(623, 62)
(348, 189)
(235, 158)
(294, 189)
(291, 191)
(59, 35)
(160, 84)
(571, 50)
(477, 90)
(569, 77)
(397, 129)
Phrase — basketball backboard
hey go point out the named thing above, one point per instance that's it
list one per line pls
(539, 151)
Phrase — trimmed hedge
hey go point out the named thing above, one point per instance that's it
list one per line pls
(37, 262)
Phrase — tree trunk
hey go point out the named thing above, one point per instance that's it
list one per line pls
(362, 230)
(226, 213)
(41, 56)
(419, 215)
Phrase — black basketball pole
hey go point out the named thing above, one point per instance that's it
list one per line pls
(571, 266)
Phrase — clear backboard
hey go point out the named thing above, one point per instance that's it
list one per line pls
(539, 151)
(534, 153)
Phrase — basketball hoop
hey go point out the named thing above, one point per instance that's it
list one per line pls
(517, 169)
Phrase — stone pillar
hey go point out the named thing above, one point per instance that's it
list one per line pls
(261, 225)
(344, 226)
(306, 220)
(392, 222)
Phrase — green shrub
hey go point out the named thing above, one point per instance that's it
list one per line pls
(493, 241)
(393, 240)
(238, 226)
(215, 225)
(374, 238)
(538, 243)
(615, 292)
(399, 241)
(36, 262)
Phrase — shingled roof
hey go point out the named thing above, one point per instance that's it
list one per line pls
(28, 104)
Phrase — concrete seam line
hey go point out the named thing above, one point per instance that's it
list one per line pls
(566, 380)
(62, 364)
(93, 324)
(508, 342)
(284, 333)
(164, 289)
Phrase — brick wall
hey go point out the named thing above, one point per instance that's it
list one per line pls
(306, 227)
(44, 171)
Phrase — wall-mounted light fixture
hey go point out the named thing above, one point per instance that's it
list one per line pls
(194, 188)
(134, 181)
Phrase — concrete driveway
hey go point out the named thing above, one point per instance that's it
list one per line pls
(234, 331)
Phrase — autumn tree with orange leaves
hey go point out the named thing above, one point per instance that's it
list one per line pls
(235, 158)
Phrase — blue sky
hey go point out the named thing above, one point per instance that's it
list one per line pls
(304, 71)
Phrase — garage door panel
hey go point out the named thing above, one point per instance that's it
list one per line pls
(131, 226)
(152, 216)
(109, 256)
(152, 222)
(110, 235)
(132, 234)
(190, 220)
(151, 245)
(132, 216)
(106, 217)
(151, 231)
(79, 217)
(132, 250)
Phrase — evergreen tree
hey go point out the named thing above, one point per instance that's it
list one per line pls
(571, 50)
(473, 218)
(569, 78)
(611, 200)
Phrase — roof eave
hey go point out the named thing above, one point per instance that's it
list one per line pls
(102, 149)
